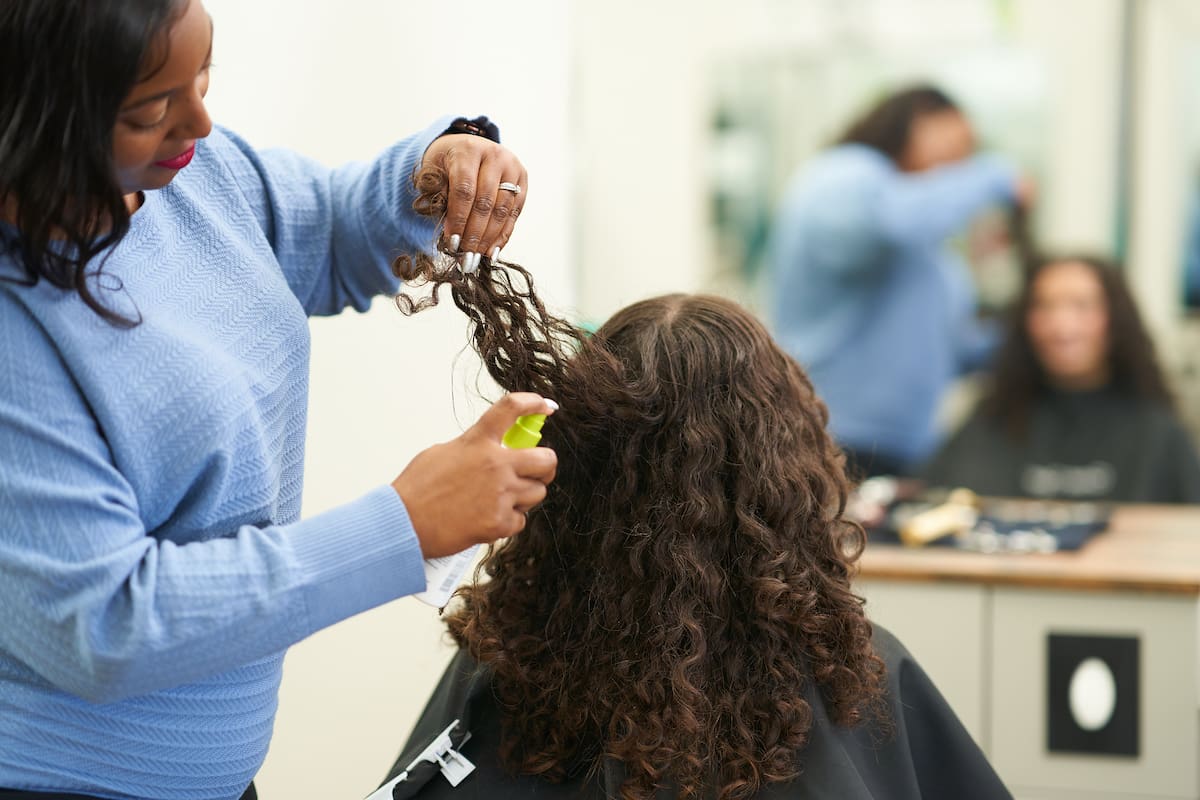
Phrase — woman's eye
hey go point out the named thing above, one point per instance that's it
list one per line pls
(141, 126)
(145, 122)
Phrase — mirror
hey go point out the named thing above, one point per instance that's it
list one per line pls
(687, 140)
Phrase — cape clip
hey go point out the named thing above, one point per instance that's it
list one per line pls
(441, 751)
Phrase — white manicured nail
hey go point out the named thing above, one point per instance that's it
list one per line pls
(454, 242)
(470, 262)
(553, 405)
(495, 254)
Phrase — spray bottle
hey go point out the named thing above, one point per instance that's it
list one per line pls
(443, 575)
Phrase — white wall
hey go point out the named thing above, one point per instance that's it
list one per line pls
(339, 81)
(1164, 161)
(1079, 41)
(1163, 166)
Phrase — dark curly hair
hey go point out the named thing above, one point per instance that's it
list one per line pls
(688, 575)
(65, 68)
(1018, 379)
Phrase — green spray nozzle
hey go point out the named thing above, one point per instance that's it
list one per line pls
(526, 432)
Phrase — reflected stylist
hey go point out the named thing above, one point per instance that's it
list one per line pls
(868, 297)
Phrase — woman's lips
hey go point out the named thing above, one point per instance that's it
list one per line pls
(178, 162)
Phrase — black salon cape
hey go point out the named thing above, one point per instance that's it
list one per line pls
(1096, 445)
(929, 755)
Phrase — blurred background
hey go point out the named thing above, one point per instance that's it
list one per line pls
(659, 138)
(709, 120)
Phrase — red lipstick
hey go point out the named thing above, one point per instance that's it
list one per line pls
(178, 162)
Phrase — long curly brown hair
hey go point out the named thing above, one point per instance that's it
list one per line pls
(688, 575)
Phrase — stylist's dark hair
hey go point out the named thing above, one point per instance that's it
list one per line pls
(886, 126)
(687, 578)
(1018, 379)
(65, 68)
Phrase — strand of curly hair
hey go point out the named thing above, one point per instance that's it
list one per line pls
(686, 583)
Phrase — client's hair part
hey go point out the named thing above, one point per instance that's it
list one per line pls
(687, 578)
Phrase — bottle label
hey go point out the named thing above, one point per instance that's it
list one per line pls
(443, 575)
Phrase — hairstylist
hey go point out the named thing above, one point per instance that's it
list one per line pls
(155, 279)
(868, 297)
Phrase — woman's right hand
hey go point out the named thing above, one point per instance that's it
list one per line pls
(472, 490)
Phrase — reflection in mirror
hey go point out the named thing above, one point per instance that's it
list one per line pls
(683, 143)
(771, 115)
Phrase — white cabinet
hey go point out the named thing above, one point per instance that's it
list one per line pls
(985, 645)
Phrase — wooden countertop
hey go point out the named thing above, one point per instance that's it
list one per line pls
(1145, 549)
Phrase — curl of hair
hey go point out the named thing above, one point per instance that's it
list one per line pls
(1018, 379)
(687, 578)
(65, 68)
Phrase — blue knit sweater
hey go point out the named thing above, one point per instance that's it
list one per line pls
(152, 565)
(868, 298)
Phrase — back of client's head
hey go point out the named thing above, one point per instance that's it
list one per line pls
(688, 576)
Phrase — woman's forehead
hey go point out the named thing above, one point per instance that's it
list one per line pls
(175, 58)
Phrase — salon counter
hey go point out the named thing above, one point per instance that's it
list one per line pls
(1012, 638)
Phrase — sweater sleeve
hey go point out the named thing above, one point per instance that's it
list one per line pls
(103, 608)
(929, 206)
(851, 206)
(335, 232)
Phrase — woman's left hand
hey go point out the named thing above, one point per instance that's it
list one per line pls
(481, 204)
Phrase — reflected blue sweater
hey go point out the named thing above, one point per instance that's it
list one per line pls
(153, 567)
(867, 297)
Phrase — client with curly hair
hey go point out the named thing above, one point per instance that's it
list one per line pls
(677, 619)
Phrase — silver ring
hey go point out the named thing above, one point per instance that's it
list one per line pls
(505, 186)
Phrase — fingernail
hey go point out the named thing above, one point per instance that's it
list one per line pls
(454, 242)
(470, 262)
(495, 254)
(553, 405)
